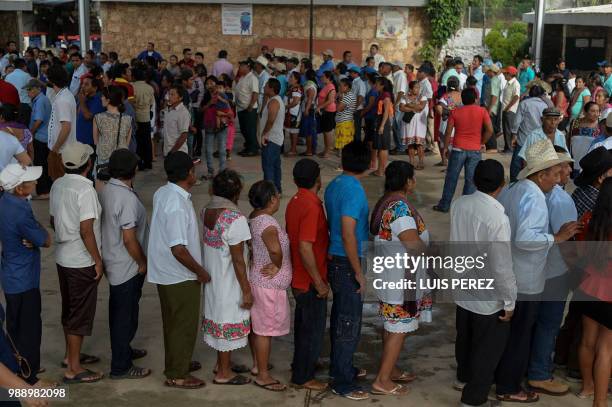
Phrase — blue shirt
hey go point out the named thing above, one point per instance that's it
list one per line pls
(537, 135)
(607, 84)
(325, 66)
(84, 127)
(144, 54)
(20, 270)
(526, 76)
(345, 196)
(479, 75)
(41, 110)
(283, 84)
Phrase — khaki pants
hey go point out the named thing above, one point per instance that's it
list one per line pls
(56, 167)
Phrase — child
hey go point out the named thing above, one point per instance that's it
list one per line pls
(222, 108)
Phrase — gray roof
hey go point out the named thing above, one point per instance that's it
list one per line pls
(596, 16)
(404, 3)
(15, 5)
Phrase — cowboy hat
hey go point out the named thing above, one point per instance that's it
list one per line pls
(593, 165)
(539, 82)
(540, 156)
(262, 60)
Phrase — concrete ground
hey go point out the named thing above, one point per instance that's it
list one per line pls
(429, 352)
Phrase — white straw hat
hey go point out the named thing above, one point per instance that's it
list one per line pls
(540, 156)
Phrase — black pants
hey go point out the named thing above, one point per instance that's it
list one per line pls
(358, 125)
(248, 129)
(143, 145)
(198, 140)
(123, 310)
(309, 331)
(24, 326)
(481, 341)
(41, 152)
(515, 360)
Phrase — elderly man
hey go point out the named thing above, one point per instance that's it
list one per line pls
(22, 237)
(492, 103)
(75, 218)
(39, 127)
(525, 205)
(246, 91)
(510, 101)
(551, 117)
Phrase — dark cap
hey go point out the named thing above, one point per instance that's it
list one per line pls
(122, 162)
(177, 166)
(294, 60)
(306, 171)
(551, 112)
(489, 175)
(593, 165)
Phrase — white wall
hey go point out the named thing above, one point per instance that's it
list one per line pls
(466, 43)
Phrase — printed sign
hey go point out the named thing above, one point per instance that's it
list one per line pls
(392, 23)
(237, 19)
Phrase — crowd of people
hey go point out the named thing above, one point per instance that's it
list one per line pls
(88, 123)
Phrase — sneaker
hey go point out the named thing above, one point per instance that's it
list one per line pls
(458, 385)
(551, 387)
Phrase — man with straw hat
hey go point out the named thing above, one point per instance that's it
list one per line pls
(525, 205)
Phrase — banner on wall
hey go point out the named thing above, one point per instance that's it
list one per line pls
(237, 19)
(392, 23)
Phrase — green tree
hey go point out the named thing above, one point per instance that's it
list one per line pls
(444, 20)
(506, 43)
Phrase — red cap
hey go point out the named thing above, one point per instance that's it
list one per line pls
(511, 70)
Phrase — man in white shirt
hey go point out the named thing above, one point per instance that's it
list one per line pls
(176, 122)
(510, 100)
(525, 204)
(378, 58)
(19, 78)
(174, 263)
(561, 210)
(479, 217)
(80, 69)
(62, 123)
(400, 89)
(358, 87)
(75, 218)
(459, 67)
(246, 92)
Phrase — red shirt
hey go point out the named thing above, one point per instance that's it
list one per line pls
(305, 221)
(8, 94)
(468, 121)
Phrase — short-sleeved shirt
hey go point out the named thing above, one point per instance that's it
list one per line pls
(349, 101)
(306, 222)
(63, 109)
(468, 122)
(144, 98)
(426, 89)
(323, 96)
(512, 88)
(525, 76)
(173, 223)
(345, 196)
(244, 89)
(19, 78)
(75, 82)
(121, 210)
(496, 90)
(359, 89)
(41, 111)
(176, 122)
(561, 209)
(73, 200)
(372, 113)
(9, 148)
(20, 267)
(84, 127)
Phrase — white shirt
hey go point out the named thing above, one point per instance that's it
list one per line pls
(400, 83)
(244, 89)
(512, 88)
(571, 84)
(63, 109)
(462, 80)
(481, 218)
(359, 89)
(75, 83)
(426, 89)
(378, 59)
(607, 143)
(526, 208)
(276, 134)
(9, 148)
(561, 209)
(73, 200)
(20, 78)
(173, 223)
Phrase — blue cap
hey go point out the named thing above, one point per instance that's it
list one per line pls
(369, 69)
(354, 69)
(602, 63)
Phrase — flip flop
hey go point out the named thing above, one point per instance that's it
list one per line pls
(270, 367)
(306, 154)
(138, 354)
(405, 377)
(85, 359)
(237, 380)
(133, 373)
(398, 390)
(189, 382)
(507, 398)
(83, 376)
(269, 386)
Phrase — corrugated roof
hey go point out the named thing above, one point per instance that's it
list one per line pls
(598, 16)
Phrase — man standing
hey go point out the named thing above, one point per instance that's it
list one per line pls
(400, 88)
(144, 100)
(358, 87)
(261, 64)
(19, 78)
(187, 60)
(525, 205)
(347, 59)
(62, 124)
(22, 237)
(223, 66)
(124, 237)
(492, 103)
(272, 135)
(75, 218)
(39, 127)
(89, 105)
(551, 117)
(346, 205)
(150, 52)
(247, 95)
(526, 74)
(80, 69)
(327, 65)
(483, 326)
(510, 101)
(472, 128)
(476, 71)
(174, 265)
(378, 58)
(177, 121)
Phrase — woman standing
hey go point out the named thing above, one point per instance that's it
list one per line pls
(595, 85)
(596, 301)
(603, 101)
(270, 277)
(227, 297)
(561, 98)
(112, 130)
(326, 108)
(449, 102)
(308, 127)
(217, 114)
(580, 96)
(345, 124)
(583, 131)
(10, 124)
(294, 110)
(414, 132)
(369, 114)
(394, 219)
(384, 117)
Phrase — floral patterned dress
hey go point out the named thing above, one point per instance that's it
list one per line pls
(225, 324)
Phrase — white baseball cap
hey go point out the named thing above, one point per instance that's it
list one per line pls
(14, 175)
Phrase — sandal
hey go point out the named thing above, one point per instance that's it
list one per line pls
(530, 397)
(270, 386)
(86, 376)
(138, 354)
(398, 390)
(255, 372)
(237, 380)
(236, 369)
(84, 359)
(133, 372)
(356, 395)
(313, 385)
(405, 377)
(189, 382)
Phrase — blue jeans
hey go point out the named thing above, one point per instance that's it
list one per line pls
(456, 161)
(516, 165)
(271, 164)
(397, 132)
(546, 329)
(344, 325)
(220, 138)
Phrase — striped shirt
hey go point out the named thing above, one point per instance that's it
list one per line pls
(585, 198)
(349, 101)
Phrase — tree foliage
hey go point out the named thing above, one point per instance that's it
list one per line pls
(445, 20)
(507, 43)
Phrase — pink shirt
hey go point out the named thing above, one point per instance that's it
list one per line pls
(222, 66)
(261, 257)
(323, 95)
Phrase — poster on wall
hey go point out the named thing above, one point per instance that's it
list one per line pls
(237, 19)
(392, 23)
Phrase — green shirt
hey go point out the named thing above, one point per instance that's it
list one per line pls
(496, 91)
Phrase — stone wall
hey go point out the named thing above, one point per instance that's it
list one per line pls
(126, 28)
(466, 43)
(8, 27)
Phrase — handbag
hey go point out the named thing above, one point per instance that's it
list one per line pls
(102, 170)
(407, 117)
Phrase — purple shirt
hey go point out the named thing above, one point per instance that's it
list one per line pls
(222, 66)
